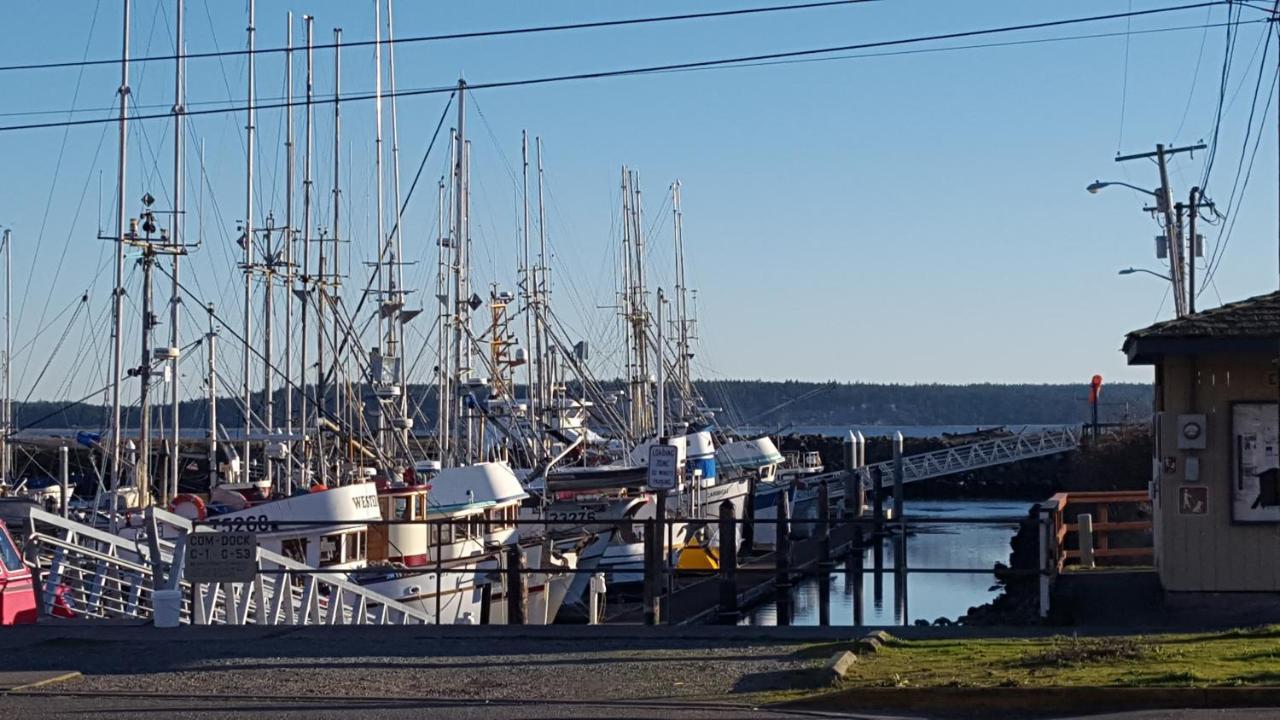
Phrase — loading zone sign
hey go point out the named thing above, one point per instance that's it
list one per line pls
(663, 460)
(221, 557)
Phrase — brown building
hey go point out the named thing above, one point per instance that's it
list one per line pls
(1216, 472)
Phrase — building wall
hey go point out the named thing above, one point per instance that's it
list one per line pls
(1209, 552)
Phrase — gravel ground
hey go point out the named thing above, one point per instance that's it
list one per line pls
(399, 663)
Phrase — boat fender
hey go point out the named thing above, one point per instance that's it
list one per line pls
(188, 499)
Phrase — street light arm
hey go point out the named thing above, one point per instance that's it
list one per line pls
(1098, 185)
(1132, 270)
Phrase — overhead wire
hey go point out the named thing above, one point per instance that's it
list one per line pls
(653, 69)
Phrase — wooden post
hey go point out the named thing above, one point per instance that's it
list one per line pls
(1104, 516)
(652, 579)
(1084, 534)
(749, 517)
(782, 555)
(824, 554)
(850, 476)
(877, 502)
(486, 603)
(899, 478)
(728, 565)
(517, 586)
(1048, 557)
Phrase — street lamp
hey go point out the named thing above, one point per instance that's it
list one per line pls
(1132, 270)
(1097, 185)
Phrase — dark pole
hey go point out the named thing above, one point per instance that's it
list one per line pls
(1194, 210)
(824, 554)
(517, 586)
(728, 565)
(782, 555)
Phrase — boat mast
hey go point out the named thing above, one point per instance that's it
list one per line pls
(337, 215)
(625, 309)
(6, 456)
(528, 279)
(177, 236)
(304, 289)
(461, 296)
(246, 411)
(379, 360)
(211, 338)
(395, 343)
(682, 318)
(444, 373)
(286, 482)
(117, 305)
(540, 296)
(142, 472)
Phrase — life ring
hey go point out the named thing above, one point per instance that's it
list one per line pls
(188, 499)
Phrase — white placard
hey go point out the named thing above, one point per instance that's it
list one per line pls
(221, 557)
(663, 462)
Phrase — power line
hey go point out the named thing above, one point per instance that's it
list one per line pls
(449, 36)
(647, 70)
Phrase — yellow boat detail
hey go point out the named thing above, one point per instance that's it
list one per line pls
(696, 557)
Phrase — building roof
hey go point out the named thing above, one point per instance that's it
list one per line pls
(1248, 325)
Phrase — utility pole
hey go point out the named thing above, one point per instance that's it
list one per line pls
(1193, 246)
(1165, 206)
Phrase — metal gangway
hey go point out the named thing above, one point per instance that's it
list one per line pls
(91, 574)
(987, 453)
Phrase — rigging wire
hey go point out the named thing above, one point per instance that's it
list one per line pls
(653, 69)
(216, 53)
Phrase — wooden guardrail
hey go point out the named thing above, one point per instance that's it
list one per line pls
(1108, 541)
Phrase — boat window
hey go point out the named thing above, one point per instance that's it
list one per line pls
(9, 554)
(403, 509)
(295, 549)
(356, 546)
(330, 550)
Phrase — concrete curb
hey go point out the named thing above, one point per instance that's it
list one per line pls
(1041, 700)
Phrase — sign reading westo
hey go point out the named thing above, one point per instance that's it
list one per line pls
(221, 557)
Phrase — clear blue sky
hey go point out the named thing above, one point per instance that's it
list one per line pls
(904, 218)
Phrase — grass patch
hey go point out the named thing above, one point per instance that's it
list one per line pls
(1241, 657)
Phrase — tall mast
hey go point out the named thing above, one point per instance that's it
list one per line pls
(177, 236)
(211, 338)
(461, 309)
(540, 292)
(304, 278)
(6, 456)
(337, 213)
(395, 344)
(142, 472)
(633, 398)
(532, 397)
(380, 237)
(444, 405)
(117, 303)
(682, 319)
(288, 237)
(246, 411)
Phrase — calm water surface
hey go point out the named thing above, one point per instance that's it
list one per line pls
(929, 596)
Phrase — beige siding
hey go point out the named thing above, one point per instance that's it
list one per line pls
(1209, 552)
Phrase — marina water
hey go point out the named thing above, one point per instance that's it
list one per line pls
(929, 595)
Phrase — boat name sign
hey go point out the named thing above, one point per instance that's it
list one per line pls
(663, 461)
(221, 557)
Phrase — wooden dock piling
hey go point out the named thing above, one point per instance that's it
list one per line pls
(517, 586)
(728, 565)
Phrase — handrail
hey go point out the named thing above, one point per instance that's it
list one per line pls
(987, 453)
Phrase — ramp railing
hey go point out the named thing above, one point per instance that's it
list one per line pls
(89, 573)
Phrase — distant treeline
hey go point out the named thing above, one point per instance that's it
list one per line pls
(743, 402)
(756, 402)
